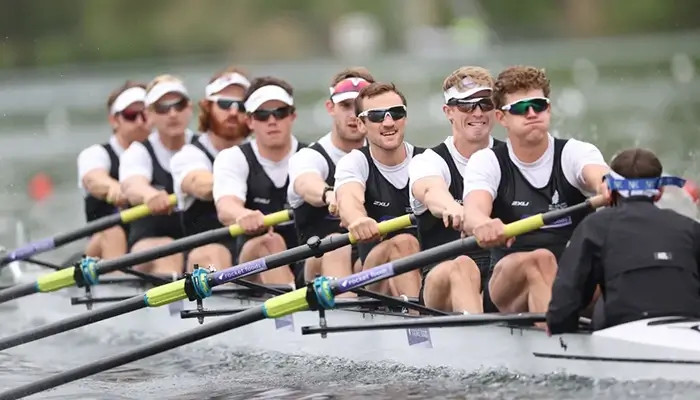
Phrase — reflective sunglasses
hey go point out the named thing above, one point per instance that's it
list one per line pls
(131, 115)
(263, 114)
(165, 107)
(227, 103)
(379, 114)
(521, 107)
(469, 105)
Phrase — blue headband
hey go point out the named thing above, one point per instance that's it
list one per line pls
(640, 187)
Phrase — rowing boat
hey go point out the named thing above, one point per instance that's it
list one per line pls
(661, 348)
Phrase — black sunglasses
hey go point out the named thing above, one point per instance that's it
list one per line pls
(225, 103)
(132, 115)
(263, 114)
(469, 105)
(164, 108)
(379, 114)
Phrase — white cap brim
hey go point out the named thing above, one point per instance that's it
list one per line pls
(344, 96)
(127, 98)
(265, 94)
(163, 88)
(225, 81)
(453, 93)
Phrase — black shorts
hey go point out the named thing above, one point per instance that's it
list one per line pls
(155, 226)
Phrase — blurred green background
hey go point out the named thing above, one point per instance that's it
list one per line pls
(625, 72)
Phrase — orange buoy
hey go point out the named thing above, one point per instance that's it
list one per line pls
(40, 187)
(691, 188)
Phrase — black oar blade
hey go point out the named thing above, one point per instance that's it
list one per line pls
(241, 319)
(74, 322)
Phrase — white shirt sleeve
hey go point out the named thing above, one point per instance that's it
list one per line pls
(482, 173)
(574, 157)
(135, 161)
(92, 158)
(425, 165)
(303, 161)
(187, 160)
(352, 167)
(230, 174)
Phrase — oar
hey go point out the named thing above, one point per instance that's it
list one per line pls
(87, 273)
(321, 293)
(46, 244)
(197, 286)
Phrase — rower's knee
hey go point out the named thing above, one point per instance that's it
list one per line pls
(271, 243)
(403, 245)
(543, 263)
(466, 268)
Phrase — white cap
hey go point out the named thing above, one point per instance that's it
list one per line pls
(127, 98)
(470, 86)
(265, 94)
(225, 81)
(164, 87)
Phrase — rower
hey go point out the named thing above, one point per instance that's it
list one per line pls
(250, 180)
(98, 168)
(645, 259)
(533, 173)
(312, 176)
(222, 124)
(371, 185)
(144, 172)
(436, 185)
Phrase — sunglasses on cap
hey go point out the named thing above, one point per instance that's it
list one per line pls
(469, 105)
(379, 114)
(262, 114)
(131, 115)
(226, 103)
(521, 107)
(165, 107)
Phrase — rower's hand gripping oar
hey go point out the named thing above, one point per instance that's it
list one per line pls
(198, 285)
(43, 245)
(87, 272)
(320, 293)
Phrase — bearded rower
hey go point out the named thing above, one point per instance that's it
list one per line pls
(144, 172)
(532, 174)
(436, 185)
(371, 185)
(312, 176)
(250, 180)
(98, 168)
(222, 123)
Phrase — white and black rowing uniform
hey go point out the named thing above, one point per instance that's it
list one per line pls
(386, 188)
(99, 156)
(522, 189)
(151, 159)
(262, 184)
(198, 215)
(320, 157)
(443, 160)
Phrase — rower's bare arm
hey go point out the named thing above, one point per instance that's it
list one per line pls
(310, 186)
(351, 202)
(593, 176)
(98, 183)
(137, 189)
(434, 193)
(477, 209)
(199, 184)
(229, 209)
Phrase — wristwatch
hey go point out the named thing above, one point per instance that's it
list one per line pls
(325, 192)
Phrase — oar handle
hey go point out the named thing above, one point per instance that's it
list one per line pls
(141, 211)
(273, 219)
(391, 225)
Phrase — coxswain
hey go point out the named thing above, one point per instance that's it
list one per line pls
(533, 173)
(645, 259)
(312, 176)
(371, 185)
(221, 125)
(250, 180)
(144, 172)
(98, 168)
(436, 185)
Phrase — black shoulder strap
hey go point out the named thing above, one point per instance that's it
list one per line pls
(198, 144)
(149, 148)
(418, 150)
(497, 143)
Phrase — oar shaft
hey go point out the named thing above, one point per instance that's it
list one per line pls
(216, 327)
(17, 291)
(76, 321)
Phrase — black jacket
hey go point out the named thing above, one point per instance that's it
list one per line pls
(644, 258)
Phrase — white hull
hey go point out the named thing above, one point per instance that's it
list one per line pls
(630, 352)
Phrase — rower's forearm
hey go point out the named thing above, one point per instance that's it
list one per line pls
(474, 217)
(351, 210)
(99, 186)
(437, 201)
(310, 188)
(199, 185)
(137, 191)
(229, 210)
